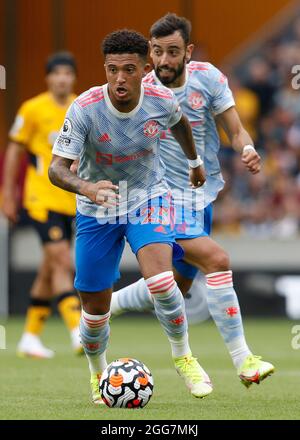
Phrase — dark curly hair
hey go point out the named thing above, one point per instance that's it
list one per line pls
(169, 24)
(125, 41)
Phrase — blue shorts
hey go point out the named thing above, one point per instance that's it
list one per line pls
(99, 246)
(191, 224)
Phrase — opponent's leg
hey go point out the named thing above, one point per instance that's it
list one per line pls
(37, 313)
(68, 304)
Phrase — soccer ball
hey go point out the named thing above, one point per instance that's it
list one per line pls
(126, 383)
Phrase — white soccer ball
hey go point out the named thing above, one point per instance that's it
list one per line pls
(126, 383)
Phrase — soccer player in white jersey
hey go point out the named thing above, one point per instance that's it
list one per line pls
(203, 93)
(114, 130)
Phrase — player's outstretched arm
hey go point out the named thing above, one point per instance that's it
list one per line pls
(13, 157)
(183, 134)
(102, 192)
(240, 139)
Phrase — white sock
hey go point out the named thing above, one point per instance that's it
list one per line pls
(97, 363)
(135, 297)
(94, 334)
(238, 350)
(180, 347)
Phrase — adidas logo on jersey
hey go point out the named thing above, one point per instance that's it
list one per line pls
(104, 138)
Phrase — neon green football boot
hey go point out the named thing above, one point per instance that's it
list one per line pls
(96, 395)
(254, 370)
(195, 378)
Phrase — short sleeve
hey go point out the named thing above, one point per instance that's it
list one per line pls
(176, 113)
(23, 126)
(72, 135)
(222, 98)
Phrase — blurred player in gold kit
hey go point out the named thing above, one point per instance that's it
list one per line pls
(50, 210)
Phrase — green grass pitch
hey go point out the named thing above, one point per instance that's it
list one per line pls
(59, 388)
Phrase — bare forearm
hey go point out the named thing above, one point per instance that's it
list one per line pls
(102, 192)
(234, 129)
(183, 134)
(60, 175)
(11, 168)
(240, 139)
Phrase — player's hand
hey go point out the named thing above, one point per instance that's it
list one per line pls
(102, 193)
(251, 160)
(10, 209)
(197, 177)
(74, 166)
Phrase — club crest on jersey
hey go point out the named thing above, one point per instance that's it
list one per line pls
(151, 129)
(67, 127)
(196, 100)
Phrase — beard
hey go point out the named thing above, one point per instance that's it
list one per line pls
(176, 73)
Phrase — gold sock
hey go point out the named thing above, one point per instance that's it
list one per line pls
(37, 313)
(68, 305)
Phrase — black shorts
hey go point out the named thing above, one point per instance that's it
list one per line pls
(58, 227)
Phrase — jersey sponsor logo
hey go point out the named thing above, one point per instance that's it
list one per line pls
(109, 159)
(67, 127)
(151, 129)
(196, 100)
(104, 158)
(104, 138)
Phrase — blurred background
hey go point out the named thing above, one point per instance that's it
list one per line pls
(257, 218)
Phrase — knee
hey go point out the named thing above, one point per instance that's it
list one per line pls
(60, 258)
(97, 303)
(94, 309)
(44, 273)
(63, 262)
(220, 262)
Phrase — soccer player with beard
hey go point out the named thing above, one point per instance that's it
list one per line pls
(114, 130)
(203, 93)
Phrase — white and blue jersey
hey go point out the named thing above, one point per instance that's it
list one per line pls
(204, 95)
(120, 147)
